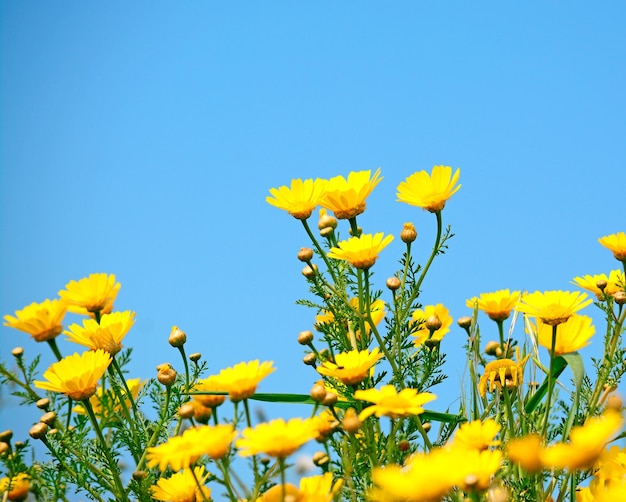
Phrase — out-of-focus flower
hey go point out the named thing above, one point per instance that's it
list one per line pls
(209, 400)
(42, 320)
(429, 191)
(477, 434)
(391, 403)
(423, 333)
(346, 197)
(93, 294)
(526, 452)
(16, 488)
(351, 367)
(326, 424)
(497, 305)
(572, 335)
(502, 372)
(241, 380)
(479, 468)
(278, 438)
(106, 335)
(77, 375)
(615, 243)
(300, 199)
(361, 252)
(614, 282)
(182, 487)
(553, 307)
(312, 489)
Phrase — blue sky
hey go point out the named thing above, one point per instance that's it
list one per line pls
(141, 138)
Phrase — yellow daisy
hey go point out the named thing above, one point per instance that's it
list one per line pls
(502, 372)
(429, 191)
(497, 305)
(182, 487)
(526, 452)
(572, 335)
(615, 243)
(241, 380)
(106, 335)
(478, 468)
(312, 489)
(351, 367)
(90, 295)
(552, 307)
(278, 438)
(478, 434)
(15, 488)
(212, 440)
(391, 403)
(423, 333)
(326, 424)
(362, 252)
(346, 197)
(42, 320)
(614, 283)
(300, 199)
(77, 375)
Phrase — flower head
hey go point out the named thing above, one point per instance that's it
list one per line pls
(351, 367)
(422, 315)
(614, 282)
(208, 385)
(106, 335)
(312, 489)
(182, 487)
(477, 435)
(391, 403)
(278, 438)
(77, 375)
(572, 335)
(42, 320)
(362, 252)
(300, 199)
(90, 295)
(346, 197)
(241, 380)
(429, 191)
(497, 305)
(615, 243)
(502, 372)
(526, 452)
(16, 488)
(552, 307)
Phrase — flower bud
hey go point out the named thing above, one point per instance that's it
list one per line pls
(359, 231)
(318, 393)
(404, 445)
(433, 323)
(38, 431)
(351, 422)
(393, 283)
(601, 284)
(327, 232)
(620, 297)
(326, 221)
(5, 436)
(309, 359)
(17, 352)
(320, 458)
(195, 357)
(408, 234)
(186, 410)
(305, 255)
(20, 445)
(614, 402)
(140, 475)
(177, 337)
(166, 374)
(330, 399)
(426, 426)
(432, 343)
(309, 272)
(43, 404)
(492, 347)
(464, 322)
(4, 448)
(305, 337)
(49, 418)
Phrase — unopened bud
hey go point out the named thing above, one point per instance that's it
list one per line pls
(186, 410)
(404, 445)
(433, 323)
(166, 374)
(19, 445)
(601, 284)
(320, 458)
(17, 352)
(330, 399)
(305, 254)
(305, 337)
(327, 221)
(614, 402)
(309, 359)
(393, 283)
(38, 431)
(492, 347)
(140, 475)
(432, 343)
(359, 231)
(5, 436)
(177, 337)
(318, 393)
(49, 418)
(309, 272)
(351, 422)
(408, 234)
(426, 426)
(464, 322)
(43, 403)
(620, 297)
(470, 481)
(4, 448)
(195, 357)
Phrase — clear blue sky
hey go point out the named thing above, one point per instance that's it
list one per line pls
(141, 138)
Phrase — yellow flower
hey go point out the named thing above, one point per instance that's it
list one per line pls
(280, 493)
(106, 335)
(586, 443)
(182, 487)
(17, 487)
(497, 305)
(477, 435)
(241, 380)
(614, 283)
(42, 320)
(351, 367)
(312, 489)
(429, 191)
(553, 307)
(278, 438)
(209, 400)
(77, 375)
(391, 403)
(502, 372)
(572, 335)
(362, 252)
(478, 468)
(526, 451)
(423, 333)
(300, 199)
(615, 243)
(326, 424)
(96, 401)
(346, 198)
(92, 294)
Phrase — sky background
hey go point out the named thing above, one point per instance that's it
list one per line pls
(141, 139)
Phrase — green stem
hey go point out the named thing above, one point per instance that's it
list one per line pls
(321, 252)
(129, 394)
(55, 349)
(157, 430)
(187, 379)
(546, 419)
(122, 401)
(255, 463)
(198, 484)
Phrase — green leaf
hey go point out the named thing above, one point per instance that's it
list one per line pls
(575, 362)
(557, 368)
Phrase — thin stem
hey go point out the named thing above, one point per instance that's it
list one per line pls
(550, 384)
(55, 349)
(321, 252)
(187, 379)
(157, 429)
(199, 484)
(255, 463)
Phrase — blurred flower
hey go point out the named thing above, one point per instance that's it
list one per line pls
(278, 438)
(572, 335)
(362, 252)
(478, 468)
(92, 294)
(391, 403)
(96, 401)
(241, 380)
(209, 400)
(42, 320)
(346, 197)
(351, 367)
(300, 199)
(615, 243)
(16, 488)
(502, 372)
(77, 375)
(552, 307)
(614, 282)
(319, 488)
(182, 487)
(526, 452)
(429, 191)
(106, 335)
(280, 493)
(497, 305)
(326, 424)
(423, 333)
(478, 434)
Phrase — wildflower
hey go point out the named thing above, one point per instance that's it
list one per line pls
(478, 468)
(477, 435)
(502, 372)
(497, 305)
(325, 424)
(106, 335)
(362, 252)
(42, 320)
(280, 493)
(408, 233)
(553, 307)
(346, 197)
(429, 191)
(391, 403)
(182, 487)
(351, 367)
(615, 243)
(211, 440)
(319, 488)
(423, 333)
(300, 199)
(241, 380)
(572, 335)
(614, 282)
(278, 438)
(526, 452)
(16, 488)
(90, 295)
